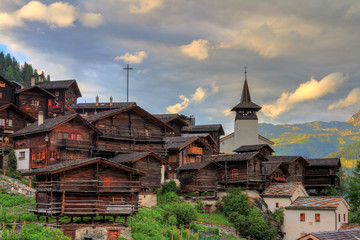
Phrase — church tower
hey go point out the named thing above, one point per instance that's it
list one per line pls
(246, 121)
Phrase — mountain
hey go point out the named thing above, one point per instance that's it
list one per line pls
(313, 139)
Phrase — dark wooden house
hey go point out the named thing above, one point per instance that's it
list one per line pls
(275, 171)
(7, 91)
(88, 109)
(321, 173)
(241, 170)
(12, 119)
(54, 140)
(215, 130)
(151, 164)
(199, 177)
(86, 187)
(207, 139)
(129, 130)
(264, 149)
(295, 164)
(176, 121)
(34, 99)
(181, 151)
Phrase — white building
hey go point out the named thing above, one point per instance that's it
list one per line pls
(245, 125)
(314, 214)
(281, 195)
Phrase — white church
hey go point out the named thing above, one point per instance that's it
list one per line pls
(245, 125)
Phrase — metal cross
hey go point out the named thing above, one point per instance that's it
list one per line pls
(127, 78)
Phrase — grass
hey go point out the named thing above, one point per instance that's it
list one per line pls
(218, 218)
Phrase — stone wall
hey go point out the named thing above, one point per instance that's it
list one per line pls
(148, 199)
(11, 185)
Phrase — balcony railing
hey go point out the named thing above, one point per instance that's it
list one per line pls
(133, 134)
(72, 143)
(129, 149)
(195, 151)
(242, 178)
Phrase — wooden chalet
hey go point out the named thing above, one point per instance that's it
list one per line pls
(54, 140)
(176, 121)
(86, 187)
(241, 170)
(66, 93)
(320, 174)
(181, 151)
(88, 109)
(34, 99)
(295, 164)
(264, 149)
(7, 90)
(199, 177)
(149, 163)
(12, 119)
(129, 130)
(215, 130)
(275, 171)
(207, 139)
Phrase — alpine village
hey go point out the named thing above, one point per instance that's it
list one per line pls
(112, 170)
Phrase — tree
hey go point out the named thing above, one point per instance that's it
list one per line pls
(12, 161)
(9, 74)
(353, 188)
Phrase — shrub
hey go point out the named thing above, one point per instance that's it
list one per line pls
(33, 231)
(279, 215)
(200, 206)
(169, 187)
(167, 198)
(12, 161)
(235, 202)
(183, 212)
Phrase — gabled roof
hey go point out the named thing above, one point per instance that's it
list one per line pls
(133, 157)
(75, 163)
(204, 129)
(197, 165)
(270, 166)
(36, 88)
(18, 110)
(7, 82)
(178, 143)
(50, 124)
(166, 118)
(281, 189)
(234, 157)
(132, 107)
(200, 135)
(350, 234)
(120, 105)
(324, 162)
(230, 135)
(245, 102)
(319, 202)
(287, 159)
(253, 148)
(58, 84)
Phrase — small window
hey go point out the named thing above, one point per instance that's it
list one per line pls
(79, 137)
(302, 217)
(21, 155)
(2, 84)
(57, 93)
(277, 205)
(344, 217)
(9, 122)
(59, 135)
(2, 122)
(317, 217)
(73, 136)
(24, 101)
(28, 124)
(1, 95)
(66, 136)
(339, 218)
(6, 139)
(52, 154)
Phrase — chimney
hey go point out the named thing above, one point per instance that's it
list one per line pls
(97, 100)
(192, 120)
(32, 80)
(40, 78)
(40, 118)
(111, 101)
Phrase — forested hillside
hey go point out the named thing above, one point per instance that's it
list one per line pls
(11, 70)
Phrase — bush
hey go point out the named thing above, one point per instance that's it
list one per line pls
(169, 187)
(167, 198)
(279, 215)
(184, 213)
(33, 231)
(235, 202)
(12, 161)
(200, 206)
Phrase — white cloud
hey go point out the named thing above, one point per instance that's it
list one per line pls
(136, 58)
(58, 14)
(197, 97)
(307, 91)
(227, 112)
(351, 99)
(197, 49)
(143, 6)
(92, 20)
(214, 87)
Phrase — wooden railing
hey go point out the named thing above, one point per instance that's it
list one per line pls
(234, 178)
(130, 149)
(195, 151)
(75, 143)
(133, 134)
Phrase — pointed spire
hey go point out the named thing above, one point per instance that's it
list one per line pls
(245, 96)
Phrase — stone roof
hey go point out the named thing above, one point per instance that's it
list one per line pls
(73, 164)
(313, 202)
(166, 118)
(270, 166)
(287, 159)
(196, 165)
(131, 157)
(281, 189)
(103, 114)
(36, 87)
(18, 110)
(253, 148)
(349, 234)
(325, 162)
(231, 157)
(104, 105)
(58, 84)
(204, 129)
(177, 143)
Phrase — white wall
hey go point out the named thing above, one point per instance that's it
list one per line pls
(23, 164)
(300, 192)
(246, 132)
(342, 209)
(227, 145)
(271, 202)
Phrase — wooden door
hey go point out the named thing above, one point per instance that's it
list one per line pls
(70, 234)
(113, 234)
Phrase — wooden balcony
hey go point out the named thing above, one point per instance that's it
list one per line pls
(130, 149)
(133, 134)
(195, 151)
(75, 144)
(38, 163)
(242, 178)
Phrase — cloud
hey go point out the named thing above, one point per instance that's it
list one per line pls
(214, 87)
(307, 91)
(57, 14)
(143, 6)
(92, 20)
(136, 58)
(351, 99)
(197, 49)
(227, 112)
(197, 97)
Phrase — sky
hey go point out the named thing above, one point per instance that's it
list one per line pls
(302, 57)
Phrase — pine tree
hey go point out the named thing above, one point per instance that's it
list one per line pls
(9, 74)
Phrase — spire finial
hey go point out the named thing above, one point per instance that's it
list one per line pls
(245, 71)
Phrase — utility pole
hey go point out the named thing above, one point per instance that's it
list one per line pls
(127, 78)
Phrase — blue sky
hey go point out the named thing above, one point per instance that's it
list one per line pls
(189, 56)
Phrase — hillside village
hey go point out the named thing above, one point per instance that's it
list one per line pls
(107, 159)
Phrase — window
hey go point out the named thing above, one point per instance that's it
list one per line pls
(21, 155)
(35, 102)
(344, 217)
(66, 136)
(302, 217)
(72, 136)
(6, 139)
(2, 84)
(57, 93)
(60, 135)
(28, 124)
(1, 95)
(2, 122)
(317, 217)
(52, 154)
(9, 122)
(277, 205)
(79, 137)
(339, 218)
(24, 101)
